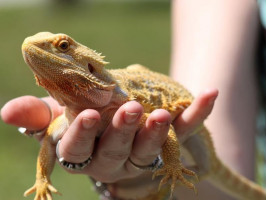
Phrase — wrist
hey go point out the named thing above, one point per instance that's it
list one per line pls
(134, 188)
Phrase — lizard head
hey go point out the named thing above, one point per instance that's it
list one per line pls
(66, 68)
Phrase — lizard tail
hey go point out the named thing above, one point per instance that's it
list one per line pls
(234, 184)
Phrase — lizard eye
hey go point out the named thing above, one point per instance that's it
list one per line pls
(63, 45)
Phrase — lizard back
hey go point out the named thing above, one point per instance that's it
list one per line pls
(153, 90)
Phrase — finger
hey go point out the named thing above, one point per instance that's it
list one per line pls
(196, 113)
(148, 142)
(27, 111)
(78, 142)
(116, 143)
(54, 105)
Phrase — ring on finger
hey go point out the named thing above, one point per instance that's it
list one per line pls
(70, 165)
(156, 164)
(31, 133)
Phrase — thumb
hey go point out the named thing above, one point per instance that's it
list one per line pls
(26, 111)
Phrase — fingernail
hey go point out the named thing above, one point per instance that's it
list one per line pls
(131, 117)
(160, 125)
(88, 123)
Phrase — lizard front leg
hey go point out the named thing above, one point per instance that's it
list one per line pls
(45, 165)
(46, 161)
(173, 169)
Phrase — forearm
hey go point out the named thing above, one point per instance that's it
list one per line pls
(213, 46)
(218, 34)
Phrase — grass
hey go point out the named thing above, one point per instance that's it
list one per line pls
(126, 33)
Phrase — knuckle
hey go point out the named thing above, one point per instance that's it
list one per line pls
(81, 141)
(157, 140)
(143, 160)
(115, 155)
(76, 156)
(84, 137)
(125, 135)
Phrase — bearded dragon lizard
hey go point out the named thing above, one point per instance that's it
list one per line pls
(75, 76)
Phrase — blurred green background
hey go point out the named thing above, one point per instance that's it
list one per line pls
(126, 32)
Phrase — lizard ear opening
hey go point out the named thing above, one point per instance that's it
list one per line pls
(90, 68)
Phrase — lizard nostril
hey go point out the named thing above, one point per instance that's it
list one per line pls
(90, 68)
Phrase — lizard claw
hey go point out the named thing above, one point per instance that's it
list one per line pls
(175, 173)
(43, 191)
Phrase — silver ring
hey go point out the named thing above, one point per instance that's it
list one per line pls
(155, 165)
(70, 165)
(31, 133)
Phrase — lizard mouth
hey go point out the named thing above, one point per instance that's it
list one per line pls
(29, 61)
(45, 64)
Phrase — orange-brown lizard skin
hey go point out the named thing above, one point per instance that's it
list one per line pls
(75, 76)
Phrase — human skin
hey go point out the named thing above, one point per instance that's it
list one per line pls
(119, 142)
(210, 48)
(214, 44)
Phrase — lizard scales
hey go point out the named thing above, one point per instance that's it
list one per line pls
(75, 76)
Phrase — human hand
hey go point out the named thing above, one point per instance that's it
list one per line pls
(77, 143)
(30, 112)
(119, 141)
